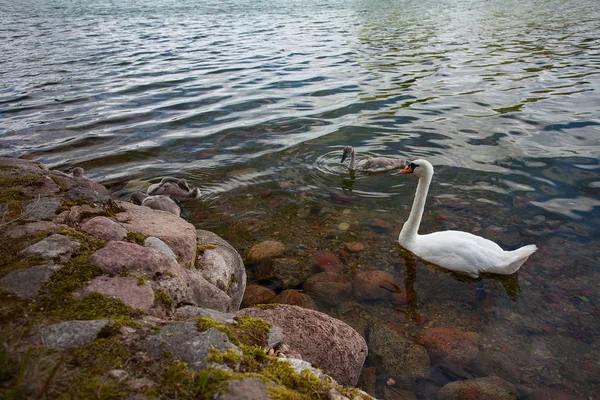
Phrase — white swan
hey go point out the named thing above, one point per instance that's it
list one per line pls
(373, 164)
(454, 250)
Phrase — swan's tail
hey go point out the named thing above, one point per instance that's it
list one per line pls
(521, 255)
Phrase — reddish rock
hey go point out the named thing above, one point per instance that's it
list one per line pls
(104, 228)
(354, 247)
(123, 256)
(125, 288)
(42, 188)
(177, 233)
(264, 251)
(322, 340)
(488, 388)
(295, 298)
(329, 262)
(328, 287)
(445, 344)
(69, 181)
(374, 285)
(380, 224)
(257, 294)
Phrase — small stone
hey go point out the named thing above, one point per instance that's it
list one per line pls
(104, 228)
(374, 285)
(69, 333)
(31, 228)
(125, 288)
(257, 294)
(26, 282)
(54, 246)
(157, 244)
(329, 262)
(355, 247)
(490, 387)
(445, 344)
(119, 374)
(264, 251)
(343, 226)
(40, 208)
(328, 287)
(295, 298)
(390, 382)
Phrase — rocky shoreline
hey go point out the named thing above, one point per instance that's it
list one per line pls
(108, 299)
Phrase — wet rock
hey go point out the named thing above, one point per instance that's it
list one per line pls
(53, 247)
(374, 285)
(290, 272)
(31, 228)
(88, 194)
(76, 214)
(157, 244)
(69, 333)
(177, 233)
(125, 288)
(264, 251)
(222, 266)
(189, 287)
(104, 228)
(257, 294)
(295, 298)
(396, 355)
(328, 287)
(69, 181)
(19, 167)
(322, 340)
(379, 225)
(44, 187)
(447, 344)
(40, 208)
(26, 282)
(192, 311)
(329, 262)
(354, 247)
(246, 389)
(488, 388)
(183, 341)
(124, 256)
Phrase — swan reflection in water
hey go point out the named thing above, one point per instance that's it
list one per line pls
(510, 283)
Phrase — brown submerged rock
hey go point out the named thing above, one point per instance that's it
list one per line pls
(257, 294)
(329, 262)
(322, 340)
(488, 388)
(295, 298)
(374, 285)
(446, 344)
(328, 287)
(264, 251)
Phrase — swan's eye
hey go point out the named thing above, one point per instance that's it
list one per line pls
(413, 166)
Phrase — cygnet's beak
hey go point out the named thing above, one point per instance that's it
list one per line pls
(344, 157)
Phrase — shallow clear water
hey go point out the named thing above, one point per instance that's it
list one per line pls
(253, 101)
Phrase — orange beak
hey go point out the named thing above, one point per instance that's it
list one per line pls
(407, 170)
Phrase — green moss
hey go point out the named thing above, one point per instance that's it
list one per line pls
(8, 167)
(248, 331)
(10, 257)
(88, 243)
(230, 357)
(142, 279)
(135, 237)
(205, 246)
(163, 297)
(67, 204)
(269, 306)
(21, 180)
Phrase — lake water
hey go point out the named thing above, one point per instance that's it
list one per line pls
(253, 101)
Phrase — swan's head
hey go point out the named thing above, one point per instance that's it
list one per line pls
(348, 150)
(418, 167)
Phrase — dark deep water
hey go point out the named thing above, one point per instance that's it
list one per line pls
(253, 101)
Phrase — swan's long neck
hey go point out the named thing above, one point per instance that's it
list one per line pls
(352, 164)
(411, 226)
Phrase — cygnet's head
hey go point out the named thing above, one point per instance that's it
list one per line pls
(348, 150)
(419, 168)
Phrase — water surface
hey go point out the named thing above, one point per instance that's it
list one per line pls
(253, 101)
